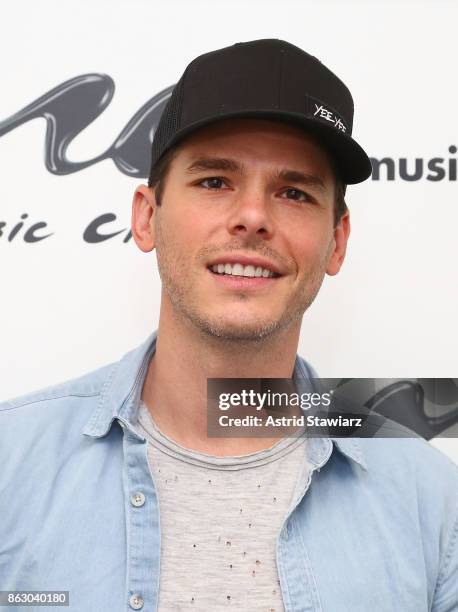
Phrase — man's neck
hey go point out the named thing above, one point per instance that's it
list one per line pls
(175, 387)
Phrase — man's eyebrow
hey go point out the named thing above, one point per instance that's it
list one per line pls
(213, 163)
(309, 180)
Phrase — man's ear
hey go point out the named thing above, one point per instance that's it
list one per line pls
(341, 234)
(144, 218)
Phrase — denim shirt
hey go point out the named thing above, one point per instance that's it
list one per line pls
(374, 527)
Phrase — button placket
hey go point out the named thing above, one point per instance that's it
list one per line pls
(142, 525)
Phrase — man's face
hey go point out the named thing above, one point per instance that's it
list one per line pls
(245, 233)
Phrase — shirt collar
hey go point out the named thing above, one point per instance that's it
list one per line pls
(350, 447)
(120, 396)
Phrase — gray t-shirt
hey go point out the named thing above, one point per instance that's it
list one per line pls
(219, 519)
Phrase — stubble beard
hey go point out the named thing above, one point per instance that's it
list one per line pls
(177, 283)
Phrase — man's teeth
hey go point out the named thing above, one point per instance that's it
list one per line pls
(239, 270)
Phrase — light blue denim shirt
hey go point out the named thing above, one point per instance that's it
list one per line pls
(374, 527)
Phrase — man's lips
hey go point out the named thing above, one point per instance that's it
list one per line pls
(244, 283)
(245, 260)
(240, 272)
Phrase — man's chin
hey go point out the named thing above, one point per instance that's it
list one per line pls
(253, 330)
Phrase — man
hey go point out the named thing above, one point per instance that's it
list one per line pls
(111, 488)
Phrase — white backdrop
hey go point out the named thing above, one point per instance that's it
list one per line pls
(68, 306)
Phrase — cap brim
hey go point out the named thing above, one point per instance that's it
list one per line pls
(351, 160)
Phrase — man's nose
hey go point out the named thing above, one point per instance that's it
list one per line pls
(251, 215)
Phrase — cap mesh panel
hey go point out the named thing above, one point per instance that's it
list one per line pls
(169, 124)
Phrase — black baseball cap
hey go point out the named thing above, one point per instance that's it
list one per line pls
(265, 79)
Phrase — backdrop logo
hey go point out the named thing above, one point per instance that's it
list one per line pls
(434, 169)
(70, 107)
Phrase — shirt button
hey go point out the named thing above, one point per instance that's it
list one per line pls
(137, 500)
(136, 602)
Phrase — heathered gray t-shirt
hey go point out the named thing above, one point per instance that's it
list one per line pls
(219, 521)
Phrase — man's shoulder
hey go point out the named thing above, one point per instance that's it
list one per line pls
(54, 397)
(405, 453)
(414, 464)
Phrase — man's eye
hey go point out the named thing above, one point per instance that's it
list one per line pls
(296, 194)
(213, 182)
